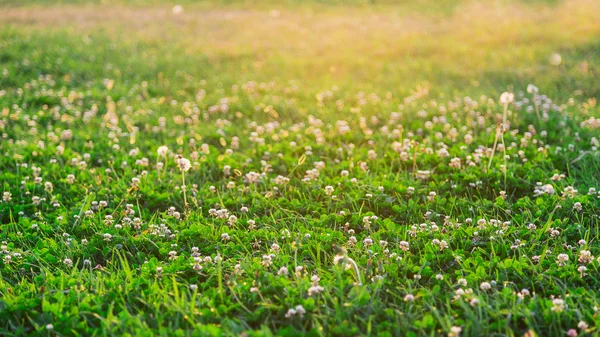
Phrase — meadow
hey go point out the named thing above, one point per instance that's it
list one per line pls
(299, 168)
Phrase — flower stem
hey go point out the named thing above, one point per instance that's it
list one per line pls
(185, 204)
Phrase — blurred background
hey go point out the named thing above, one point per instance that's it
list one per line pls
(442, 46)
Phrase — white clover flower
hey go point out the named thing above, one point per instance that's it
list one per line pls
(315, 290)
(555, 59)
(290, 313)
(162, 151)
(454, 331)
(283, 271)
(485, 286)
(329, 190)
(184, 164)
(532, 89)
(562, 259)
(558, 305)
(177, 9)
(507, 98)
(300, 310)
(404, 245)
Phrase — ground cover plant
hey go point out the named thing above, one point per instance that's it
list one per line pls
(312, 168)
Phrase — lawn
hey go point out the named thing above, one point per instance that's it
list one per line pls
(300, 168)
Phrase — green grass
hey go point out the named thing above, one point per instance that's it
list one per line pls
(272, 103)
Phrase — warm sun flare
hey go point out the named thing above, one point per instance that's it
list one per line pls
(299, 168)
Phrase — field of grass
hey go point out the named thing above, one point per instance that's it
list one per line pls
(300, 168)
